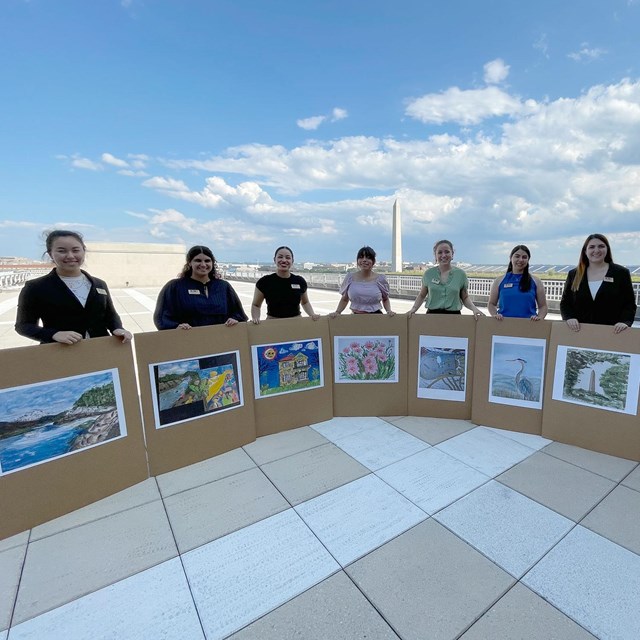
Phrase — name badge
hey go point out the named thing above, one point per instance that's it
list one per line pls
(194, 292)
(435, 281)
(101, 291)
(508, 285)
(295, 286)
(608, 279)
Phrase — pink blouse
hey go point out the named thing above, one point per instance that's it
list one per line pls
(365, 297)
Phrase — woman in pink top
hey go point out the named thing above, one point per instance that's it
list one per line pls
(367, 291)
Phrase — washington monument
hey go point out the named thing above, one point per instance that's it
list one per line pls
(396, 247)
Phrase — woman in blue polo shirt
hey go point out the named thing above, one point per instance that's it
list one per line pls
(518, 294)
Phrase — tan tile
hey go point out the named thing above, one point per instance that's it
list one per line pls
(212, 510)
(280, 445)
(432, 430)
(135, 496)
(563, 487)
(210, 470)
(307, 474)
(10, 569)
(617, 517)
(335, 609)
(70, 564)
(520, 614)
(14, 541)
(427, 583)
(600, 463)
(633, 479)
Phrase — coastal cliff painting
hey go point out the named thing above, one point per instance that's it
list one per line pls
(606, 380)
(287, 367)
(442, 368)
(365, 359)
(48, 420)
(184, 390)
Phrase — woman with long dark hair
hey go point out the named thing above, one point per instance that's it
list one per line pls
(518, 294)
(198, 298)
(67, 305)
(598, 291)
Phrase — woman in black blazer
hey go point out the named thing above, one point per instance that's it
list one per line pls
(598, 291)
(67, 305)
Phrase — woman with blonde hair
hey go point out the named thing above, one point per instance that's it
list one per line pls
(598, 291)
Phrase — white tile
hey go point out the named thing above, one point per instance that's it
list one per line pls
(358, 517)
(337, 428)
(238, 578)
(138, 494)
(527, 439)
(485, 450)
(432, 479)
(11, 564)
(594, 581)
(380, 445)
(155, 604)
(3, 635)
(509, 528)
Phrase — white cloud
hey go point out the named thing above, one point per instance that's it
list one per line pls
(85, 163)
(586, 53)
(338, 114)
(312, 123)
(542, 45)
(465, 107)
(131, 172)
(496, 71)
(109, 159)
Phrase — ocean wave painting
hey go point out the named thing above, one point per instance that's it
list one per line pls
(48, 420)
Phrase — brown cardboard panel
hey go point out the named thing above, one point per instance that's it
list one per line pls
(34, 495)
(617, 434)
(439, 325)
(372, 399)
(491, 414)
(297, 409)
(199, 438)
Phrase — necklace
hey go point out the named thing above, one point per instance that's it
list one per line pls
(76, 283)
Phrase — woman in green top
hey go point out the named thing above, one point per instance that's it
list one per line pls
(445, 285)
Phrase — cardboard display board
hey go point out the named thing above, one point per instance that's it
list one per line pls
(446, 362)
(197, 394)
(594, 414)
(371, 384)
(70, 429)
(509, 373)
(291, 363)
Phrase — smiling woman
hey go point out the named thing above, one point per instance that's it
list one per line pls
(68, 304)
(198, 298)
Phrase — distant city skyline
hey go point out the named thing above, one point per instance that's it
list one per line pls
(249, 125)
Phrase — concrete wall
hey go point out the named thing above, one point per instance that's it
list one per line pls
(134, 264)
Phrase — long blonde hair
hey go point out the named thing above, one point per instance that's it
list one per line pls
(583, 263)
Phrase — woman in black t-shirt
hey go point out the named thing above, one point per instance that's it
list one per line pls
(284, 291)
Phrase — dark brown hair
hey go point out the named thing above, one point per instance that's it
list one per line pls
(191, 254)
(525, 281)
(583, 263)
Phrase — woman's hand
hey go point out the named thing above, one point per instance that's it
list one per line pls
(498, 316)
(184, 325)
(391, 313)
(619, 327)
(67, 337)
(230, 322)
(255, 320)
(334, 314)
(315, 316)
(573, 324)
(124, 334)
(477, 314)
(535, 318)
(411, 312)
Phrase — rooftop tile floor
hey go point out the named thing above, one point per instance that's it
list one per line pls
(424, 529)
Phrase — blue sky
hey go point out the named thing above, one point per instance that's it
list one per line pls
(245, 124)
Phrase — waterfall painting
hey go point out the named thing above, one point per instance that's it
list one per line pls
(184, 390)
(517, 371)
(606, 380)
(442, 368)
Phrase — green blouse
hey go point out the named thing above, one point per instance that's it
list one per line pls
(444, 295)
